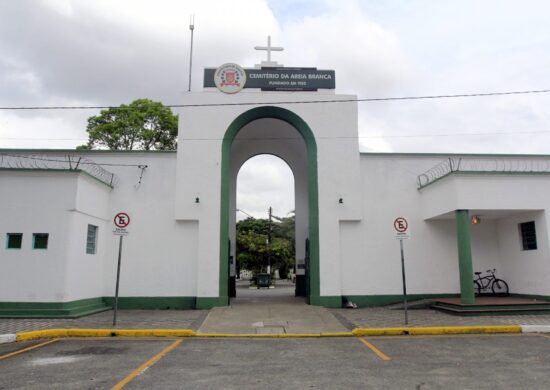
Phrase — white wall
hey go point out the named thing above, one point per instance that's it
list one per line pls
(369, 253)
(526, 271)
(485, 247)
(84, 272)
(201, 133)
(169, 254)
(35, 202)
(159, 255)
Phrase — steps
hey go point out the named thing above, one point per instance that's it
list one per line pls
(506, 307)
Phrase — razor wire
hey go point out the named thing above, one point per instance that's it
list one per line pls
(488, 165)
(65, 162)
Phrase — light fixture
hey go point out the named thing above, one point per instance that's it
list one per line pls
(475, 220)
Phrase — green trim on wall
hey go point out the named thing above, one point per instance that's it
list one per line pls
(72, 309)
(152, 303)
(463, 239)
(83, 307)
(334, 301)
(301, 126)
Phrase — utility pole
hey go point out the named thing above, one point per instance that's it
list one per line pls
(269, 229)
(191, 28)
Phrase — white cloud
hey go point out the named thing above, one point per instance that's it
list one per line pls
(265, 181)
(77, 52)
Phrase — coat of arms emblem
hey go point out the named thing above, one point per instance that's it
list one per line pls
(230, 78)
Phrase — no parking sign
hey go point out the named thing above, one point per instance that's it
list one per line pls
(401, 227)
(121, 221)
(402, 232)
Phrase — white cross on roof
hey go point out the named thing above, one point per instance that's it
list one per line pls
(269, 49)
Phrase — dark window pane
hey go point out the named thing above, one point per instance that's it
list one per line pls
(91, 239)
(15, 240)
(528, 235)
(40, 240)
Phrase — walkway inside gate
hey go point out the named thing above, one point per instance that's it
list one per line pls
(270, 311)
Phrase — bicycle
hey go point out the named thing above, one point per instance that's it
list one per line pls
(498, 286)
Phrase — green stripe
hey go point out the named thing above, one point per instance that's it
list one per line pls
(465, 256)
(152, 303)
(72, 309)
(232, 131)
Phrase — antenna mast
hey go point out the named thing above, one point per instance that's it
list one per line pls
(191, 28)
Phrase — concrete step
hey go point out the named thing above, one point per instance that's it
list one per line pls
(492, 310)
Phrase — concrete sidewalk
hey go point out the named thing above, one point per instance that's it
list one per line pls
(268, 311)
(126, 319)
(381, 317)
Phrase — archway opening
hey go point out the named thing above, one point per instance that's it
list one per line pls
(265, 239)
(279, 132)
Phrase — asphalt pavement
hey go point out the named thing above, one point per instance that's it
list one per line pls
(398, 362)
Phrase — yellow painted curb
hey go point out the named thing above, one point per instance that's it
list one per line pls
(433, 330)
(436, 330)
(74, 332)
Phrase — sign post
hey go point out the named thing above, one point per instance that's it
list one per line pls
(401, 227)
(121, 220)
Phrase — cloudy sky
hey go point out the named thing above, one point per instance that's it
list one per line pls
(109, 52)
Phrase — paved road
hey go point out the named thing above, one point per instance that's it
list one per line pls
(263, 311)
(409, 362)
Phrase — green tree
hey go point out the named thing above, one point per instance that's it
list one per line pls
(142, 125)
(252, 248)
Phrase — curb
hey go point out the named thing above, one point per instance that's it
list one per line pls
(357, 332)
(7, 338)
(437, 330)
(535, 328)
(54, 333)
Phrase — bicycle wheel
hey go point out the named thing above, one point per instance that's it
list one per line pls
(499, 287)
(477, 288)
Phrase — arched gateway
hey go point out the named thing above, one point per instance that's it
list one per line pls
(58, 249)
(272, 116)
(280, 132)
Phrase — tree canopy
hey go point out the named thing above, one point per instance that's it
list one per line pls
(253, 250)
(142, 125)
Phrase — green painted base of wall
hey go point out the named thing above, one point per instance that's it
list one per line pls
(327, 301)
(84, 307)
(73, 309)
(152, 303)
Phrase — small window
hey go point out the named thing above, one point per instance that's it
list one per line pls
(40, 240)
(528, 235)
(14, 240)
(91, 240)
